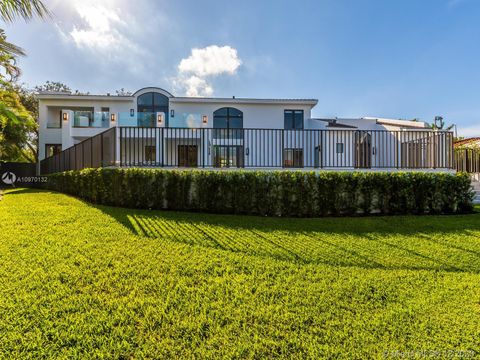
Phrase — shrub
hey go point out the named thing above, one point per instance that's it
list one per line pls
(272, 193)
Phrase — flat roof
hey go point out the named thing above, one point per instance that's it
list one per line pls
(179, 99)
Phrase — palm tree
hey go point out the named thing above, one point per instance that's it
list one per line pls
(9, 11)
(16, 124)
(26, 9)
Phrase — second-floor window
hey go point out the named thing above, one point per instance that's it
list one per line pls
(227, 121)
(293, 119)
(55, 122)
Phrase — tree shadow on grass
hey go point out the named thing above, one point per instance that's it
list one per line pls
(382, 242)
(444, 242)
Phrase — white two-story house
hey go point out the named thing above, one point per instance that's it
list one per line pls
(154, 128)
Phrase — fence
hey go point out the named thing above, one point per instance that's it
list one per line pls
(258, 148)
(94, 152)
(467, 160)
(278, 148)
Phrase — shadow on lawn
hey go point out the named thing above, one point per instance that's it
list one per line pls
(382, 242)
(385, 242)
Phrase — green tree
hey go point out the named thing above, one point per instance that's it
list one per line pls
(17, 129)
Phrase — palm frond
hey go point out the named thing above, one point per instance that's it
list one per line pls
(26, 9)
(8, 47)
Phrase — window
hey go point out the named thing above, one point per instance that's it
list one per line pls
(339, 148)
(56, 122)
(187, 155)
(293, 119)
(83, 118)
(228, 156)
(293, 158)
(52, 149)
(228, 118)
(105, 114)
(150, 153)
(148, 105)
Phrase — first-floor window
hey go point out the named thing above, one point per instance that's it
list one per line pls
(228, 156)
(293, 157)
(52, 149)
(150, 153)
(187, 155)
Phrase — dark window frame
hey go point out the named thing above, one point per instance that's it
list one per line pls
(152, 108)
(293, 111)
(230, 132)
(297, 160)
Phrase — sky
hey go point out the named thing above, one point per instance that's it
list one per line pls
(399, 59)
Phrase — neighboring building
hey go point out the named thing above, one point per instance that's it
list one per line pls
(470, 143)
(154, 128)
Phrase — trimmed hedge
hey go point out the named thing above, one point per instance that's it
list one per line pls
(272, 193)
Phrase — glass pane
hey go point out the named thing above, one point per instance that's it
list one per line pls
(145, 100)
(220, 156)
(288, 120)
(82, 119)
(220, 112)
(220, 122)
(298, 119)
(232, 112)
(160, 99)
(55, 122)
(288, 158)
(236, 123)
(186, 120)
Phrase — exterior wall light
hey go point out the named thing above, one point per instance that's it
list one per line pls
(204, 119)
(172, 113)
(112, 118)
(65, 116)
(160, 118)
(132, 112)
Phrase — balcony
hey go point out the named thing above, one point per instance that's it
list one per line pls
(91, 119)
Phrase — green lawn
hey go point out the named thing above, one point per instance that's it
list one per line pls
(78, 280)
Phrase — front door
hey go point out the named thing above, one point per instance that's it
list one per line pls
(187, 155)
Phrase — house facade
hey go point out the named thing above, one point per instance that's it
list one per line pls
(154, 128)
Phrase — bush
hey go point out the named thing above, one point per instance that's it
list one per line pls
(271, 193)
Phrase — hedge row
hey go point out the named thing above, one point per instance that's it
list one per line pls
(273, 193)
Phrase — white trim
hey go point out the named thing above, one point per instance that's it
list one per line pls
(311, 102)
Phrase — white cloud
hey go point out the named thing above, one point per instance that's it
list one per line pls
(100, 28)
(196, 71)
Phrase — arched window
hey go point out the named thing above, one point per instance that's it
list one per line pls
(148, 105)
(228, 118)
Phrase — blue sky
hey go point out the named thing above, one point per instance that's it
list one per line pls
(386, 58)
